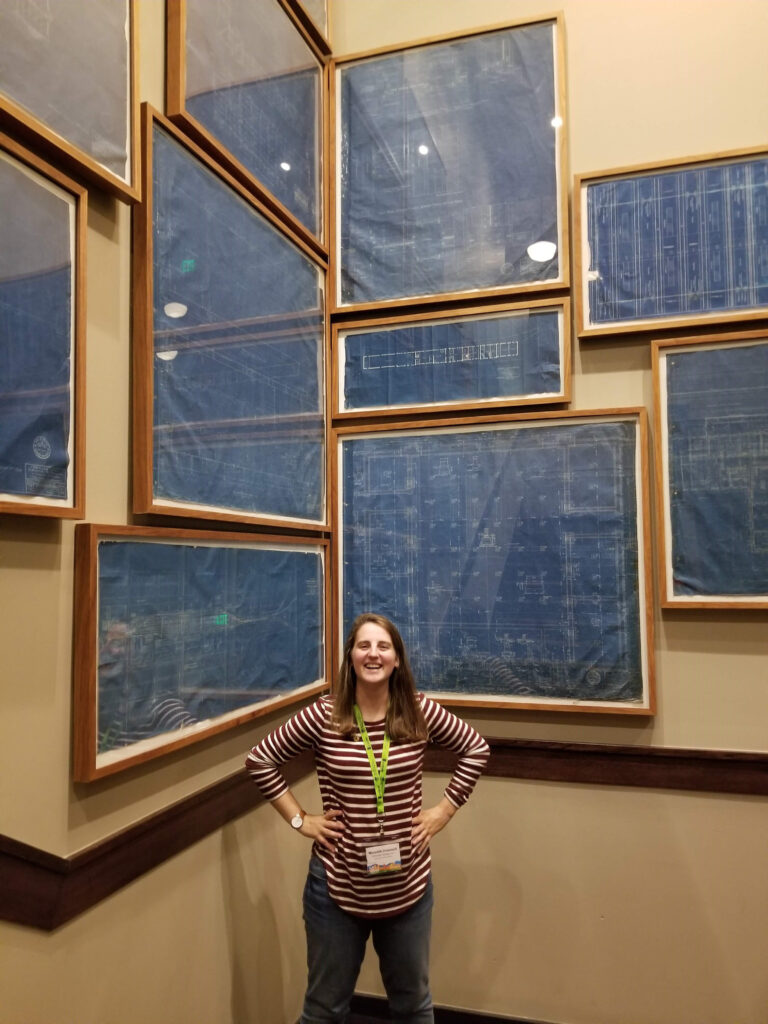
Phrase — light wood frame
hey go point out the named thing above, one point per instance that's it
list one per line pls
(561, 164)
(36, 132)
(176, 111)
(645, 621)
(340, 329)
(73, 507)
(144, 499)
(89, 764)
(581, 185)
(322, 38)
(662, 350)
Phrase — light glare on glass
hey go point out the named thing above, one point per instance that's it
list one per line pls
(541, 252)
(175, 310)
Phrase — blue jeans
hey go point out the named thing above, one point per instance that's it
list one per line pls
(336, 944)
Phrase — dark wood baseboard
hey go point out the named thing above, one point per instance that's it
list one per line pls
(372, 1009)
(42, 890)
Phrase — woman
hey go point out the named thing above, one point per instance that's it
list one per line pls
(369, 872)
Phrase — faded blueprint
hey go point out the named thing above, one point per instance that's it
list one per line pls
(717, 425)
(507, 557)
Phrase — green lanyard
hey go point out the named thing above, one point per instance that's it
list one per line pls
(379, 772)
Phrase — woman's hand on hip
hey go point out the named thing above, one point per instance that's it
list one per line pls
(429, 822)
(324, 829)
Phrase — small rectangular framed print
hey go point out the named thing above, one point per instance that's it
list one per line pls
(517, 354)
(182, 634)
(229, 348)
(43, 217)
(712, 469)
(672, 244)
(449, 168)
(513, 554)
(247, 82)
(68, 86)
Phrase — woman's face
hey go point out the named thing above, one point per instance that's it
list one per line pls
(373, 654)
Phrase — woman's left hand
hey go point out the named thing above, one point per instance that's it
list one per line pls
(429, 822)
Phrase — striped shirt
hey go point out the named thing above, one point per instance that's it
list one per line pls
(346, 783)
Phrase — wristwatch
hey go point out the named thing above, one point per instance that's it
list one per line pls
(297, 821)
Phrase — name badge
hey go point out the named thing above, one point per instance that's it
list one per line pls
(383, 858)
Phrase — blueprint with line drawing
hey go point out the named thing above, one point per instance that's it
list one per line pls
(463, 361)
(678, 243)
(238, 378)
(448, 166)
(717, 424)
(213, 629)
(508, 557)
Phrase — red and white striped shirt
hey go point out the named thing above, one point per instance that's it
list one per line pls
(346, 783)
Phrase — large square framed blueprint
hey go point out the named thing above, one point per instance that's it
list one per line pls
(512, 354)
(672, 244)
(712, 469)
(450, 168)
(68, 86)
(43, 217)
(246, 81)
(182, 634)
(512, 553)
(229, 353)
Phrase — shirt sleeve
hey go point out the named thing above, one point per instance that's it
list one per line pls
(299, 733)
(451, 732)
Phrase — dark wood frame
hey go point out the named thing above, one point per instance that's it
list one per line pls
(75, 509)
(85, 645)
(299, 11)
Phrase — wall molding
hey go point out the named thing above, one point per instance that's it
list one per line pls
(42, 890)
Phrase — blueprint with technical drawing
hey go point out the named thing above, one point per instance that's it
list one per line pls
(717, 457)
(508, 556)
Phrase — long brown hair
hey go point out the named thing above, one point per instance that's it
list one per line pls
(404, 722)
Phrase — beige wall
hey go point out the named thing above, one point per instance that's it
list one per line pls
(571, 904)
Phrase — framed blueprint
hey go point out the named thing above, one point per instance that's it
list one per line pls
(246, 82)
(513, 554)
(181, 634)
(515, 354)
(43, 218)
(712, 469)
(229, 393)
(68, 86)
(672, 244)
(449, 168)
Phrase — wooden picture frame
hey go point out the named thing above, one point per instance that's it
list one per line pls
(443, 192)
(475, 357)
(79, 104)
(229, 348)
(711, 396)
(42, 337)
(315, 16)
(182, 634)
(672, 244)
(513, 552)
(247, 83)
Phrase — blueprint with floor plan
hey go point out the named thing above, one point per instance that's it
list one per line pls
(508, 557)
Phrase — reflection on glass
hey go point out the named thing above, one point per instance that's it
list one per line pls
(253, 83)
(448, 166)
(36, 333)
(238, 408)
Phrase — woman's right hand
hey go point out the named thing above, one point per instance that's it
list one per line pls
(324, 829)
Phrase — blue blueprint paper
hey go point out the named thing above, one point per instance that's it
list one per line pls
(448, 166)
(35, 336)
(464, 361)
(238, 407)
(717, 420)
(204, 630)
(507, 557)
(679, 243)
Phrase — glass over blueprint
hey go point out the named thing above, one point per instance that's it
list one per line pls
(255, 85)
(508, 557)
(238, 367)
(464, 360)
(190, 633)
(678, 243)
(36, 334)
(448, 167)
(717, 457)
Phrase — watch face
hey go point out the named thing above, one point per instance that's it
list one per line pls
(297, 821)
